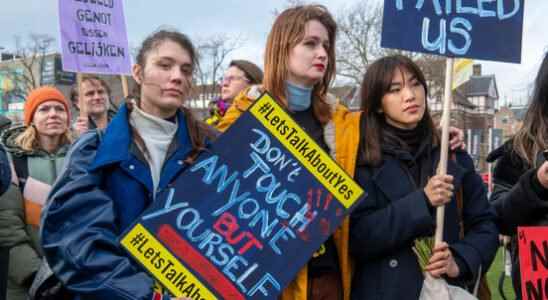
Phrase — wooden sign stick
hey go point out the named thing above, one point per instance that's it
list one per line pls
(125, 89)
(81, 104)
(444, 151)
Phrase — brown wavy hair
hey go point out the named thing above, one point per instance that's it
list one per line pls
(288, 30)
(532, 137)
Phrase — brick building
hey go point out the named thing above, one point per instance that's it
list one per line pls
(47, 70)
(473, 110)
(510, 119)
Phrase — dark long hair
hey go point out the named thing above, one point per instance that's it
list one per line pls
(532, 137)
(198, 131)
(376, 83)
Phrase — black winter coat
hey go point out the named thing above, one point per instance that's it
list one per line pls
(395, 212)
(518, 199)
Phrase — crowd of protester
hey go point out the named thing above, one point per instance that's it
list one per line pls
(71, 186)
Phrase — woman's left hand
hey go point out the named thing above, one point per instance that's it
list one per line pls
(442, 262)
(456, 138)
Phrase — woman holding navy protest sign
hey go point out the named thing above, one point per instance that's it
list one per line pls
(112, 177)
(299, 66)
(398, 156)
(520, 194)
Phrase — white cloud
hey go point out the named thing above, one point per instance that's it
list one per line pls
(515, 80)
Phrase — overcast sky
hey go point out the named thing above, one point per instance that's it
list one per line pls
(251, 19)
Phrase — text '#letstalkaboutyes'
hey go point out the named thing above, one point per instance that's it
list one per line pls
(307, 151)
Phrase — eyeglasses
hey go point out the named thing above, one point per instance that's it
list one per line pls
(229, 79)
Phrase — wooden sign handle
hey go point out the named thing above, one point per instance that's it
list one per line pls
(125, 89)
(81, 104)
(444, 150)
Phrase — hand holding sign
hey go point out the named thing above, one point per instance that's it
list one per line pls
(442, 262)
(244, 218)
(439, 189)
(542, 174)
(81, 125)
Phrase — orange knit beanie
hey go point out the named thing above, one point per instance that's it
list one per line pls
(41, 95)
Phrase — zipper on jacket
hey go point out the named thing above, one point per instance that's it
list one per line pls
(53, 168)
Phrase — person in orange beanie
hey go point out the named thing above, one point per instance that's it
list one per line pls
(36, 151)
(41, 95)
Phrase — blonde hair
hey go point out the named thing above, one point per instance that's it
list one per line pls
(288, 30)
(28, 139)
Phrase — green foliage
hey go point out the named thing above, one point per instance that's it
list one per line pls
(423, 249)
(493, 275)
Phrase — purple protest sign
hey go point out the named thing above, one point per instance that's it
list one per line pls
(94, 37)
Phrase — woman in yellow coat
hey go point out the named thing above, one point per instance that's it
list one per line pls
(299, 66)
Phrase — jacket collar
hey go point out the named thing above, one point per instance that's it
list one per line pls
(8, 137)
(390, 145)
(118, 138)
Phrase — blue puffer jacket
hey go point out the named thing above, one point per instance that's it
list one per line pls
(105, 186)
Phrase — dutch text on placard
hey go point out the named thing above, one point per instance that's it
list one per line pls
(94, 37)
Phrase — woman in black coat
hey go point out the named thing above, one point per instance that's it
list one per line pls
(520, 195)
(399, 152)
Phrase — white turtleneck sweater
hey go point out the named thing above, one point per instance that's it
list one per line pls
(157, 134)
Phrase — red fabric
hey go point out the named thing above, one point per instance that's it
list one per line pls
(156, 296)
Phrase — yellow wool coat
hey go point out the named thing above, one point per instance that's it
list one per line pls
(341, 134)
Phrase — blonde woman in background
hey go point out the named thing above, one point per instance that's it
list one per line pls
(37, 151)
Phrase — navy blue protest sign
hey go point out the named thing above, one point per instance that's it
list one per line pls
(480, 29)
(242, 220)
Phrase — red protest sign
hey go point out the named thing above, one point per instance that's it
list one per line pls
(533, 259)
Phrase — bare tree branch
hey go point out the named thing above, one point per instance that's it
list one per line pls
(212, 53)
(359, 44)
(24, 71)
